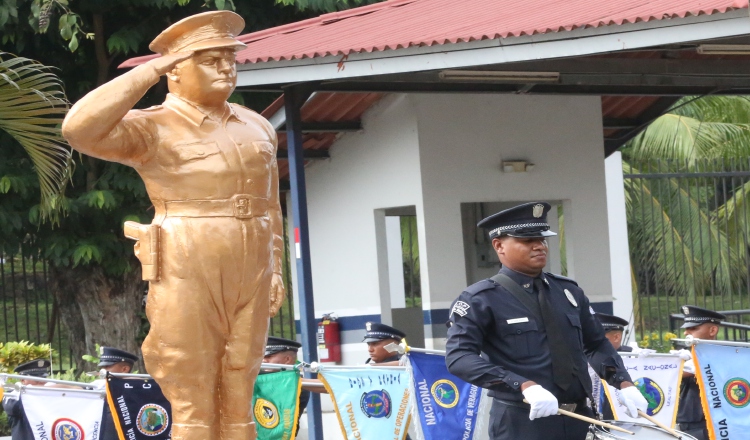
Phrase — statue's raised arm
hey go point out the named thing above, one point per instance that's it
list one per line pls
(212, 253)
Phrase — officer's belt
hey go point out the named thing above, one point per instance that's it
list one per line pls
(566, 406)
(238, 206)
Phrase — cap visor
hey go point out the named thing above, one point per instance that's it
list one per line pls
(691, 324)
(535, 234)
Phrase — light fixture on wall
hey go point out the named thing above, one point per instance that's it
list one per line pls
(499, 76)
(723, 49)
(516, 166)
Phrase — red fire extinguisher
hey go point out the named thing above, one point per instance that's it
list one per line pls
(329, 339)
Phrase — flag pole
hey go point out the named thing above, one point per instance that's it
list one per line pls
(695, 341)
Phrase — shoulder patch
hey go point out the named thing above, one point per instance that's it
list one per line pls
(480, 286)
(560, 277)
(460, 308)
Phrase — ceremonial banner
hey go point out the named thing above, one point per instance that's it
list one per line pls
(446, 406)
(597, 389)
(658, 378)
(371, 403)
(275, 405)
(139, 409)
(724, 380)
(56, 413)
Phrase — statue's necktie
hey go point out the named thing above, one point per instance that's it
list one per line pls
(563, 367)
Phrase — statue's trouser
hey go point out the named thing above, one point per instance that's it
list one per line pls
(209, 321)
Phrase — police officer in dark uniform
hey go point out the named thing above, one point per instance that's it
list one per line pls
(19, 424)
(377, 337)
(284, 351)
(526, 335)
(614, 327)
(113, 360)
(702, 324)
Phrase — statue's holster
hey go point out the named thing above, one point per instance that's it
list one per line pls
(146, 247)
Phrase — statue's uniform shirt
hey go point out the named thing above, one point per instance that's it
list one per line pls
(208, 310)
(486, 319)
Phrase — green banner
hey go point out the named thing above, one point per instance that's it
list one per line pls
(275, 405)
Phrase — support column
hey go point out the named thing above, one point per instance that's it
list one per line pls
(294, 98)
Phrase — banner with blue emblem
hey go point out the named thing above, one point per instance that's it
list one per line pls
(63, 414)
(658, 379)
(446, 406)
(370, 402)
(724, 379)
(139, 409)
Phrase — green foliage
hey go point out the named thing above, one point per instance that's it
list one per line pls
(326, 5)
(13, 354)
(32, 106)
(654, 342)
(94, 359)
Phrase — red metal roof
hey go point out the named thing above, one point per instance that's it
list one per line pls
(396, 24)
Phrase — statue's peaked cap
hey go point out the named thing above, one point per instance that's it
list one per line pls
(208, 30)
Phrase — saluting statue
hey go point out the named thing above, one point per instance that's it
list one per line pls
(213, 252)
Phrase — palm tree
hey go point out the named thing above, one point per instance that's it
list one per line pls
(689, 235)
(32, 107)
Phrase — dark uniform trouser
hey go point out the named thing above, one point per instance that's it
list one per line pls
(697, 430)
(512, 423)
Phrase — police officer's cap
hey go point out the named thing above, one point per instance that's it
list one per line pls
(277, 345)
(695, 316)
(523, 221)
(209, 30)
(611, 322)
(36, 368)
(110, 356)
(378, 332)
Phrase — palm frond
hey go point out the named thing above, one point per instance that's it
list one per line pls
(32, 107)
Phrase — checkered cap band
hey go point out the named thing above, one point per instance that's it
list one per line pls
(607, 325)
(107, 358)
(43, 372)
(280, 348)
(700, 319)
(383, 334)
(497, 231)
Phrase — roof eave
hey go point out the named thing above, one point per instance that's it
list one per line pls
(578, 42)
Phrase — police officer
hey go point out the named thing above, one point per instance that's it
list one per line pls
(19, 424)
(113, 360)
(377, 337)
(702, 324)
(284, 351)
(614, 327)
(522, 334)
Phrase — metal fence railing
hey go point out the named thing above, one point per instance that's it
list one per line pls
(689, 232)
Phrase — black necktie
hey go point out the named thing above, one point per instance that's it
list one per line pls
(563, 368)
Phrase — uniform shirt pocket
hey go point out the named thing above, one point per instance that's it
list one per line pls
(192, 151)
(575, 321)
(522, 337)
(264, 148)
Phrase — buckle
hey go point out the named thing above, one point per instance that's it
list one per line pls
(568, 406)
(241, 206)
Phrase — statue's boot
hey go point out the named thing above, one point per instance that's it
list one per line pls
(238, 431)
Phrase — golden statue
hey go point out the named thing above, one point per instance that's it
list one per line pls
(213, 252)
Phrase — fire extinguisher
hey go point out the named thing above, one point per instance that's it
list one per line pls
(329, 339)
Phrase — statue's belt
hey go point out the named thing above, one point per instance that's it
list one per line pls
(239, 206)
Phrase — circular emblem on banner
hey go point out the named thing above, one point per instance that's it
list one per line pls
(653, 394)
(445, 393)
(66, 429)
(152, 420)
(737, 392)
(266, 413)
(376, 404)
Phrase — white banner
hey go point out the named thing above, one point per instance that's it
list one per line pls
(63, 414)
(658, 378)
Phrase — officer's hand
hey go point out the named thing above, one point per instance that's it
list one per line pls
(633, 400)
(542, 402)
(166, 63)
(277, 294)
(645, 352)
(683, 354)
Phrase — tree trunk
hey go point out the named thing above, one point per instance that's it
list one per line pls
(99, 309)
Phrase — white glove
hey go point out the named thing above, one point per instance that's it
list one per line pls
(683, 354)
(542, 402)
(645, 352)
(689, 367)
(633, 401)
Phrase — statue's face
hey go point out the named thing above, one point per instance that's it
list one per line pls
(209, 76)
